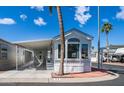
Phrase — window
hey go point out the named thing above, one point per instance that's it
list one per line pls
(3, 52)
(84, 51)
(73, 50)
(59, 51)
(28, 56)
(73, 40)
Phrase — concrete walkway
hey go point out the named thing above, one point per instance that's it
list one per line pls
(115, 63)
(31, 73)
(44, 76)
(112, 63)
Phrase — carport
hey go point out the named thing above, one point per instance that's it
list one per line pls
(42, 52)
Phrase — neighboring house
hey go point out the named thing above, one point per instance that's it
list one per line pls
(47, 53)
(112, 49)
(103, 52)
(94, 55)
(12, 55)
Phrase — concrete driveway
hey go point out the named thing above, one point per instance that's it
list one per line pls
(31, 73)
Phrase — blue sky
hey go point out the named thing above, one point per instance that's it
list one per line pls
(30, 23)
(115, 15)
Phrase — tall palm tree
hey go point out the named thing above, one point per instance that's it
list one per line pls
(107, 27)
(60, 20)
(98, 56)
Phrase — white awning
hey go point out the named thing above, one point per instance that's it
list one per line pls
(35, 43)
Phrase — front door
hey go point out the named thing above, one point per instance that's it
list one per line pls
(40, 55)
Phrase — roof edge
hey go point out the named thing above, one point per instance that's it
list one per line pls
(25, 41)
(74, 29)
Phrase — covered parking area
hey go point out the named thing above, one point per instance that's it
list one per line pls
(42, 52)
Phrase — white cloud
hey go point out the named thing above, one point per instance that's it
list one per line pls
(23, 17)
(82, 14)
(39, 21)
(105, 20)
(7, 21)
(38, 8)
(120, 15)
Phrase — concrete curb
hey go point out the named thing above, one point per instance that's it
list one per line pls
(111, 76)
(112, 73)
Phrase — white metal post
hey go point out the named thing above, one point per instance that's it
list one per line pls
(16, 57)
(80, 46)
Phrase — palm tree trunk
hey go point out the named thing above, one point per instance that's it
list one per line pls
(107, 46)
(61, 69)
(98, 37)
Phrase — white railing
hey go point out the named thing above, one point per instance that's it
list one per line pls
(39, 61)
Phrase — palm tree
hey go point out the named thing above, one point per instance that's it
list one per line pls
(98, 56)
(107, 27)
(60, 20)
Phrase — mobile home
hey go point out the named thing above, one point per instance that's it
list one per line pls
(77, 51)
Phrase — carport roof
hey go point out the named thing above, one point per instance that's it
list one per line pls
(41, 43)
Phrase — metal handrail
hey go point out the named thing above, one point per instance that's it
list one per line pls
(39, 61)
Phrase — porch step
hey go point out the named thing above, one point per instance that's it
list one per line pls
(49, 66)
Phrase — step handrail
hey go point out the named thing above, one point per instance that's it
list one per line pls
(39, 61)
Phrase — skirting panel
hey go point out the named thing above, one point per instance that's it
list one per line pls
(74, 67)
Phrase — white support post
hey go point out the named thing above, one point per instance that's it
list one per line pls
(66, 55)
(33, 56)
(16, 57)
(80, 52)
(66, 50)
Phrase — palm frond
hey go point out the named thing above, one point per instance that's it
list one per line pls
(102, 30)
(107, 27)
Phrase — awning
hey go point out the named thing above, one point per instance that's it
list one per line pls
(35, 44)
